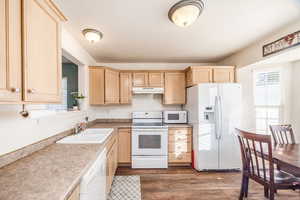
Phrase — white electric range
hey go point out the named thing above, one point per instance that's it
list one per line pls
(149, 140)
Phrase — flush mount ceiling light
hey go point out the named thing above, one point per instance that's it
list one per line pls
(92, 35)
(185, 13)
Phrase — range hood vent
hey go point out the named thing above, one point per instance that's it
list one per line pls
(147, 90)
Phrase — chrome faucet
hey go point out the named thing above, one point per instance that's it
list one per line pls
(80, 127)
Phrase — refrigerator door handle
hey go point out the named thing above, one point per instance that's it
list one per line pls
(220, 111)
(216, 117)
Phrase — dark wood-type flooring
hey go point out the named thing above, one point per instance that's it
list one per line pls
(188, 184)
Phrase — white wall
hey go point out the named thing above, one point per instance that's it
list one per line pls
(245, 78)
(295, 97)
(17, 132)
(140, 102)
(253, 53)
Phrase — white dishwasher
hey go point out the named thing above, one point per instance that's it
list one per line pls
(93, 183)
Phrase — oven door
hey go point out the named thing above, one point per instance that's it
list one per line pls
(149, 142)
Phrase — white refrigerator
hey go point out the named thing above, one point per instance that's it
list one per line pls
(214, 110)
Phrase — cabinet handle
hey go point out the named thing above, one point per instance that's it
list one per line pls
(15, 90)
(31, 91)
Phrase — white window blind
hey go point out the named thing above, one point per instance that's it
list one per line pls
(267, 95)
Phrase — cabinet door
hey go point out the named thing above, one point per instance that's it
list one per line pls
(109, 169)
(223, 75)
(174, 88)
(10, 51)
(41, 52)
(140, 79)
(112, 87)
(125, 88)
(156, 79)
(112, 163)
(124, 146)
(75, 194)
(196, 75)
(115, 158)
(96, 79)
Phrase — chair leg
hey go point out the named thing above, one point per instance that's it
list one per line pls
(272, 193)
(266, 190)
(246, 186)
(242, 191)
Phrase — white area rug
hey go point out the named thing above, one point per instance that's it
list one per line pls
(125, 188)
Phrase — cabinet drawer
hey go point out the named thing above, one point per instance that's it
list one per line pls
(180, 157)
(180, 131)
(177, 138)
(180, 147)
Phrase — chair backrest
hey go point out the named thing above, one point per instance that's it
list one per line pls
(283, 134)
(257, 158)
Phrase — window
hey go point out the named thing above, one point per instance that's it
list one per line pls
(64, 105)
(69, 86)
(267, 99)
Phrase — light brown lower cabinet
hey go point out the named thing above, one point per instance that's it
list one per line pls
(111, 162)
(124, 146)
(75, 195)
(180, 145)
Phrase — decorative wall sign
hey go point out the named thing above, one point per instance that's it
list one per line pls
(283, 43)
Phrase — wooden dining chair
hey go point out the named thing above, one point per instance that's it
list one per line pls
(282, 134)
(258, 165)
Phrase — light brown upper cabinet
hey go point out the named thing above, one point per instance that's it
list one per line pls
(223, 74)
(148, 79)
(125, 88)
(10, 51)
(140, 79)
(156, 79)
(174, 88)
(41, 52)
(96, 78)
(31, 73)
(112, 87)
(196, 75)
(104, 86)
(209, 74)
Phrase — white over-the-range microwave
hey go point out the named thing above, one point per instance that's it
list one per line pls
(175, 117)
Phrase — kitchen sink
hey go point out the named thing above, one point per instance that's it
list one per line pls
(88, 136)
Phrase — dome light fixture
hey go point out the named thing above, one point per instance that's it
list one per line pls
(185, 12)
(92, 35)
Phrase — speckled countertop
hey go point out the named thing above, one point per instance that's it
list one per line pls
(49, 174)
(129, 125)
(53, 172)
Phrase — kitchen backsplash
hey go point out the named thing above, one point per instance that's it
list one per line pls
(140, 102)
